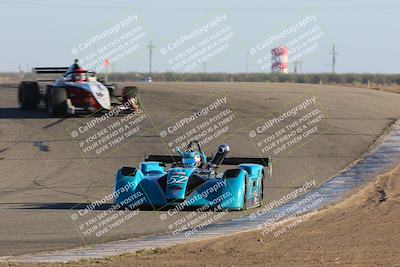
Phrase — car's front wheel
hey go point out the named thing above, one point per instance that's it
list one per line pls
(130, 96)
(57, 101)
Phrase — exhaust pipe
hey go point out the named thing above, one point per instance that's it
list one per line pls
(222, 151)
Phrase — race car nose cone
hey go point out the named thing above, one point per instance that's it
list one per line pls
(174, 187)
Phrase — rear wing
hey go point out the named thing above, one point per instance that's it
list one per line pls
(51, 70)
(226, 161)
(239, 160)
(46, 73)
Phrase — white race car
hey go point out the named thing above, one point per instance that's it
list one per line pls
(76, 91)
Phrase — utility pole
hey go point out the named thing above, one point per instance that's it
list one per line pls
(204, 66)
(150, 47)
(247, 63)
(298, 66)
(333, 53)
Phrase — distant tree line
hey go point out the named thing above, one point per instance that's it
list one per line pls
(315, 78)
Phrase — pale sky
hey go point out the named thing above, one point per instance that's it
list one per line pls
(44, 32)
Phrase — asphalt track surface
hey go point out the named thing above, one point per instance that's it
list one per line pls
(45, 177)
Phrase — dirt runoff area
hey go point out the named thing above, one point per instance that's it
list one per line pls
(363, 230)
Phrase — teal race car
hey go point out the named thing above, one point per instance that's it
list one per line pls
(192, 181)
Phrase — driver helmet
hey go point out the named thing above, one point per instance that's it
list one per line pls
(192, 160)
(79, 74)
(197, 159)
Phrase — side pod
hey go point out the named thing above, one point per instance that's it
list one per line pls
(126, 182)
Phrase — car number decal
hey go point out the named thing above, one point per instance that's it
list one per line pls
(177, 179)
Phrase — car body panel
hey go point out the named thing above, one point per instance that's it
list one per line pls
(96, 89)
(188, 188)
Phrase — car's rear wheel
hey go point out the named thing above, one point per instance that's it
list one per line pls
(28, 95)
(57, 101)
(244, 195)
(130, 91)
(129, 95)
(261, 195)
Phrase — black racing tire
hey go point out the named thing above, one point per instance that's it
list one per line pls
(261, 200)
(57, 101)
(28, 95)
(244, 195)
(131, 92)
